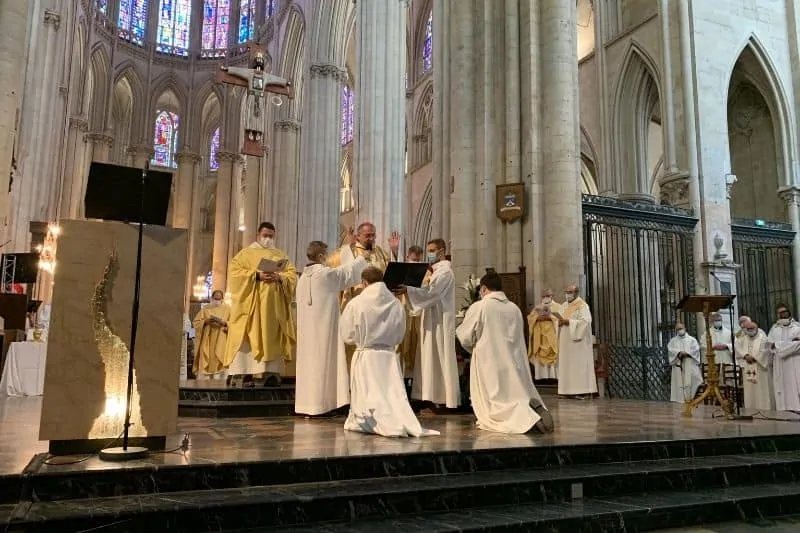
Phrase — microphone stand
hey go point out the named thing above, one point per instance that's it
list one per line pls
(738, 416)
(125, 452)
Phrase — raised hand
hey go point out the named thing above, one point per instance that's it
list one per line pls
(394, 242)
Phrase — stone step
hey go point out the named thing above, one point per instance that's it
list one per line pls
(53, 484)
(235, 408)
(215, 394)
(398, 499)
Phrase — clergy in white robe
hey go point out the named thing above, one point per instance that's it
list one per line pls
(575, 354)
(436, 368)
(784, 344)
(740, 332)
(756, 368)
(684, 359)
(375, 322)
(503, 395)
(322, 380)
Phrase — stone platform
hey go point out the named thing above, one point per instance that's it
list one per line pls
(215, 399)
(611, 466)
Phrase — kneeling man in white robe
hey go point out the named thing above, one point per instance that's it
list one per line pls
(756, 363)
(684, 358)
(322, 380)
(375, 322)
(504, 397)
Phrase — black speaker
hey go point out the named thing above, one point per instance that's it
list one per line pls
(114, 192)
(26, 269)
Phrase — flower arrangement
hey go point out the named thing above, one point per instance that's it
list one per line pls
(473, 288)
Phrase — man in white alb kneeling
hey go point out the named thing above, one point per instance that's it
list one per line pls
(375, 322)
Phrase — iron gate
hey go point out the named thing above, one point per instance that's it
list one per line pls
(639, 264)
(764, 279)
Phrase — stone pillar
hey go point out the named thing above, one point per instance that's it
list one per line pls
(182, 201)
(321, 155)
(440, 182)
(13, 28)
(791, 195)
(283, 200)
(380, 113)
(668, 107)
(74, 171)
(100, 146)
(139, 155)
(252, 178)
(222, 218)
(563, 257)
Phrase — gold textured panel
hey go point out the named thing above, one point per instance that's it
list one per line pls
(87, 353)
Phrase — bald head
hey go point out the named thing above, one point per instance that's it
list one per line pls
(570, 293)
(365, 235)
(750, 328)
(742, 320)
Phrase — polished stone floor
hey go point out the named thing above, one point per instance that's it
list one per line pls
(233, 440)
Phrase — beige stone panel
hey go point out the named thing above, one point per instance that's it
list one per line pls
(87, 351)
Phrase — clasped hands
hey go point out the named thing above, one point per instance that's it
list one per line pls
(269, 277)
(719, 347)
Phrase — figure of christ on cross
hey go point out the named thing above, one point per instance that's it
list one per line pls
(258, 83)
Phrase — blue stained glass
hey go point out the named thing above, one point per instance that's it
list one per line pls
(427, 47)
(247, 19)
(216, 17)
(173, 26)
(272, 7)
(213, 149)
(348, 108)
(165, 140)
(132, 20)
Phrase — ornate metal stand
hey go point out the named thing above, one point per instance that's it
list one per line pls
(712, 374)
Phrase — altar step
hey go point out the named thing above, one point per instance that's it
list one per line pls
(470, 490)
(212, 399)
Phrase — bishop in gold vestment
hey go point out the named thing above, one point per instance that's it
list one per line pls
(543, 342)
(261, 329)
(211, 326)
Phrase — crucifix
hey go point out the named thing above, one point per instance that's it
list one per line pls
(258, 83)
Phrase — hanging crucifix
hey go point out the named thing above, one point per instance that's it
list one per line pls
(258, 83)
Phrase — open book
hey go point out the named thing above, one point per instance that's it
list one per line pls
(269, 266)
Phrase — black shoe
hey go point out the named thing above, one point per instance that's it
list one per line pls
(272, 380)
(546, 424)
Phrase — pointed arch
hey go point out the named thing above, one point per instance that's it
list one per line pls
(127, 71)
(168, 82)
(293, 57)
(422, 222)
(100, 67)
(422, 133)
(206, 106)
(636, 99)
(330, 24)
(758, 69)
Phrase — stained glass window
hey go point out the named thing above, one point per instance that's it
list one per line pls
(102, 6)
(348, 106)
(247, 20)
(132, 20)
(272, 7)
(173, 26)
(427, 46)
(165, 141)
(216, 17)
(209, 283)
(212, 153)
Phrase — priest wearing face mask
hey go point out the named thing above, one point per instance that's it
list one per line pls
(261, 329)
(436, 366)
(722, 344)
(783, 343)
(756, 364)
(684, 359)
(211, 328)
(575, 355)
(543, 342)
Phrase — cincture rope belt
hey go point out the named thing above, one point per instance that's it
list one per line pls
(375, 347)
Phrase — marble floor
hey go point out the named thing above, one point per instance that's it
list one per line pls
(237, 440)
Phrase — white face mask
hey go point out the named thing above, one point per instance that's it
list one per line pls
(568, 296)
(751, 332)
(432, 257)
(266, 242)
(546, 300)
(784, 321)
(681, 332)
(718, 324)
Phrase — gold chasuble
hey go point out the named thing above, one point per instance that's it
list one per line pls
(377, 257)
(212, 339)
(262, 311)
(543, 345)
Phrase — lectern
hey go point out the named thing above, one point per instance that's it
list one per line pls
(707, 305)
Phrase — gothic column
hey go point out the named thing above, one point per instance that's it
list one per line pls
(791, 195)
(139, 155)
(283, 200)
(13, 28)
(222, 218)
(99, 146)
(72, 187)
(560, 144)
(182, 202)
(380, 112)
(254, 169)
(321, 155)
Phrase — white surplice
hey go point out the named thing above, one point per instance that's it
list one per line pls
(786, 366)
(322, 380)
(721, 336)
(436, 366)
(756, 377)
(375, 322)
(686, 374)
(500, 384)
(575, 354)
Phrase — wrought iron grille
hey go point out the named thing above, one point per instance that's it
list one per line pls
(639, 264)
(764, 252)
